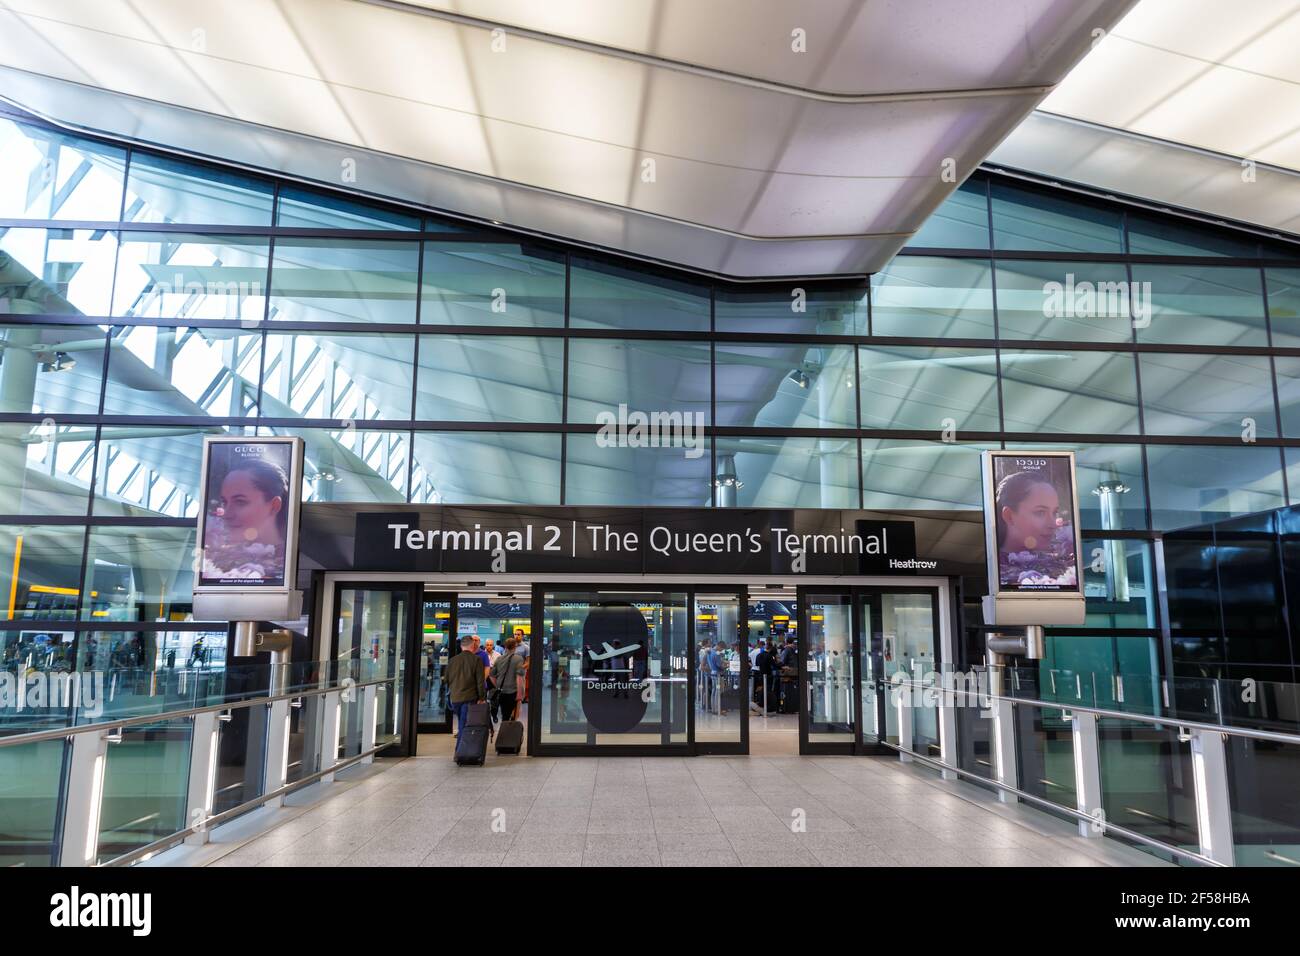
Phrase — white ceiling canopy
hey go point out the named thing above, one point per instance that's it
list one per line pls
(747, 138)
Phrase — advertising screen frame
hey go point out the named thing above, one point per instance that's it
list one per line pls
(289, 582)
(989, 478)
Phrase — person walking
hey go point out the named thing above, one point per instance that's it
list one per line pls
(465, 681)
(506, 680)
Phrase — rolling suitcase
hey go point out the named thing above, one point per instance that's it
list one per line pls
(471, 745)
(510, 737)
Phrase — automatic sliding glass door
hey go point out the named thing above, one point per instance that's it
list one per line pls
(721, 672)
(828, 722)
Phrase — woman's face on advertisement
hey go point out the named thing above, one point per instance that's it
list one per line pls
(247, 509)
(1033, 524)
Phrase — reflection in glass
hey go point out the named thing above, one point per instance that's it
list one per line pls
(1112, 491)
(719, 647)
(1045, 754)
(1147, 781)
(435, 648)
(56, 271)
(40, 569)
(828, 662)
(792, 309)
(344, 280)
(1208, 395)
(31, 778)
(148, 471)
(1029, 218)
(1071, 301)
(607, 296)
(139, 574)
(183, 371)
(925, 475)
(492, 283)
(962, 222)
(490, 379)
(932, 297)
(646, 376)
(1059, 391)
(1193, 485)
(306, 209)
(146, 786)
(353, 464)
(170, 275)
(44, 469)
(921, 388)
(785, 386)
(1284, 306)
(162, 189)
(1202, 305)
(787, 472)
(619, 475)
(51, 370)
(486, 468)
(45, 174)
(343, 376)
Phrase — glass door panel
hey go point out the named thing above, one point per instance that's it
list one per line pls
(829, 668)
(870, 664)
(372, 628)
(436, 648)
(720, 697)
(909, 638)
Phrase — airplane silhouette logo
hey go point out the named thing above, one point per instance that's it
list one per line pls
(611, 651)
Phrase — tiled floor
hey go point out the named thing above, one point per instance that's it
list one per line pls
(700, 811)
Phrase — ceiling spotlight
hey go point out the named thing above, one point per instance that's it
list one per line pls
(799, 378)
(56, 361)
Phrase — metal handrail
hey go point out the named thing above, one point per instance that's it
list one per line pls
(58, 733)
(1249, 732)
(218, 818)
(1106, 827)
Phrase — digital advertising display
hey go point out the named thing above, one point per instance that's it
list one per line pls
(249, 520)
(1032, 522)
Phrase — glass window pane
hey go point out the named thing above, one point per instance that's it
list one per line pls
(160, 189)
(490, 378)
(352, 465)
(304, 209)
(1193, 485)
(924, 388)
(40, 568)
(139, 574)
(1199, 305)
(346, 375)
(1045, 754)
(1028, 218)
(786, 386)
(31, 777)
(1112, 493)
(923, 475)
(344, 280)
(148, 471)
(492, 283)
(920, 296)
(187, 276)
(607, 296)
(635, 475)
(802, 309)
(51, 370)
(1284, 306)
(56, 271)
(646, 376)
(1263, 778)
(962, 222)
(1147, 781)
(1065, 301)
(1208, 395)
(183, 371)
(45, 174)
(1169, 236)
(1091, 393)
(503, 468)
(1117, 585)
(146, 786)
(44, 469)
(788, 472)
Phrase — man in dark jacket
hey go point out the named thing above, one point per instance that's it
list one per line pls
(465, 681)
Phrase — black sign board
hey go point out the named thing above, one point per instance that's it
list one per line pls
(583, 541)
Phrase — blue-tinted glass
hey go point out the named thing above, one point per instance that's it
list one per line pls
(803, 309)
(907, 387)
(492, 283)
(45, 174)
(139, 574)
(646, 376)
(1288, 393)
(159, 189)
(785, 386)
(1087, 393)
(1199, 305)
(31, 777)
(183, 371)
(187, 276)
(490, 378)
(1027, 218)
(923, 475)
(607, 296)
(1293, 473)
(45, 469)
(340, 376)
(489, 468)
(1284, 306)
(1193, 485)
(1117, 578)
(352, 465)
(344, 280)
(624, 474)
(149, 472)
(1112, 493)
(304, 209)
(962, 222)
(146, 783)
(51, 370)
(1065, 301)
(920, 296)
(56, 271)
(39, 570)
(1150, 235)
(780, 472)
(1207, 395)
